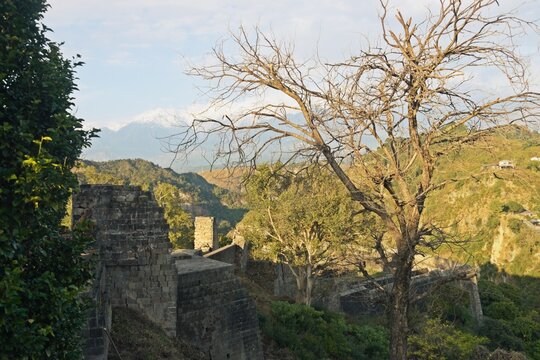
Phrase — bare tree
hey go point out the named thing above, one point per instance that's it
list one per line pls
(415, 95)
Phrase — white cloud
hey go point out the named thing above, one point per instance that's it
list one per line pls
(117, 32)
(121, 58)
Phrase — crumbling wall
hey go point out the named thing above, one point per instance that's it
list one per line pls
(132, 243)
(189, 296)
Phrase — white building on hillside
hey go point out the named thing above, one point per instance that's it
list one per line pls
(506, 164)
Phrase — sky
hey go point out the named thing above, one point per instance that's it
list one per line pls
(136, 52)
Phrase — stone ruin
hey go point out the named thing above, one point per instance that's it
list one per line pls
(205, 234)
(196, 298)
(353, 296)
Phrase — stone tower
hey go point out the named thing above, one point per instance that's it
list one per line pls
(205, 233)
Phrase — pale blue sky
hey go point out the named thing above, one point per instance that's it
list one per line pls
(135, 51)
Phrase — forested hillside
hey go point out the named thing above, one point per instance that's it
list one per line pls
(492, 209)
(178, 194)
(487, 210)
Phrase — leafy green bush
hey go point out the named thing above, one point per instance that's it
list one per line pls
(41, 270)
(500, 335)
(493, 221)
(314, 334)
(504, 310)
(442, 341)
(515, 225)
(512, 207)
(511, 321)
(491, 292)
(533, 165)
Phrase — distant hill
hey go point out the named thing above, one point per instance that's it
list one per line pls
(201, 197)
(153, 142)
(146, 141)
(225, 178)
(489, 207)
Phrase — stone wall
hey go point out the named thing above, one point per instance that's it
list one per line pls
(205, 233)
(99, 317)
(189, 296)
(132, 244)
(230, 254)
(215, 312)
(366, 299)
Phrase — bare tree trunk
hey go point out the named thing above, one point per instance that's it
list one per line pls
(300, 277)
(399, 309)
(304, 284)
(309, 286)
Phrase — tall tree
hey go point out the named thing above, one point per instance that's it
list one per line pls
(300, 219)
(41, 270)
(181, 228)
(416, 95)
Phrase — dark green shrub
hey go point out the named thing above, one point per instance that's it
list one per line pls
(41, 270)
(490, 292)
(512, 207)
(511, 321)
(500, 335)
(515, 225)
(527, 327)
(442, 341)
(493, 221)
(504, 310)
(533, 165)
(315, 334)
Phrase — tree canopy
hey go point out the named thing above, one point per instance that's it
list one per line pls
(41, 270)
(300, 219)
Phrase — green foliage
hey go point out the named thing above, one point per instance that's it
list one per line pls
(181, 228)
(512, 321)
(223, 228)
(493, 221)
(474, 202)
(191, 188)
(491, 292)
(442, 341)
(534, 165)
(302, 219)
(515, 225)
(450, 304)
(286, 208)
(505, 310)
(512, 207)
(500, 335)
(314, 334)
(41, 270)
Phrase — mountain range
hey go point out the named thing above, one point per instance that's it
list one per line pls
(147, 141)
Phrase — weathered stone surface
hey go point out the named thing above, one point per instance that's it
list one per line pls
(230, 254)
(135, 267)
(205, 233)
(99, 317)
(185, 294)
(215, 312)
